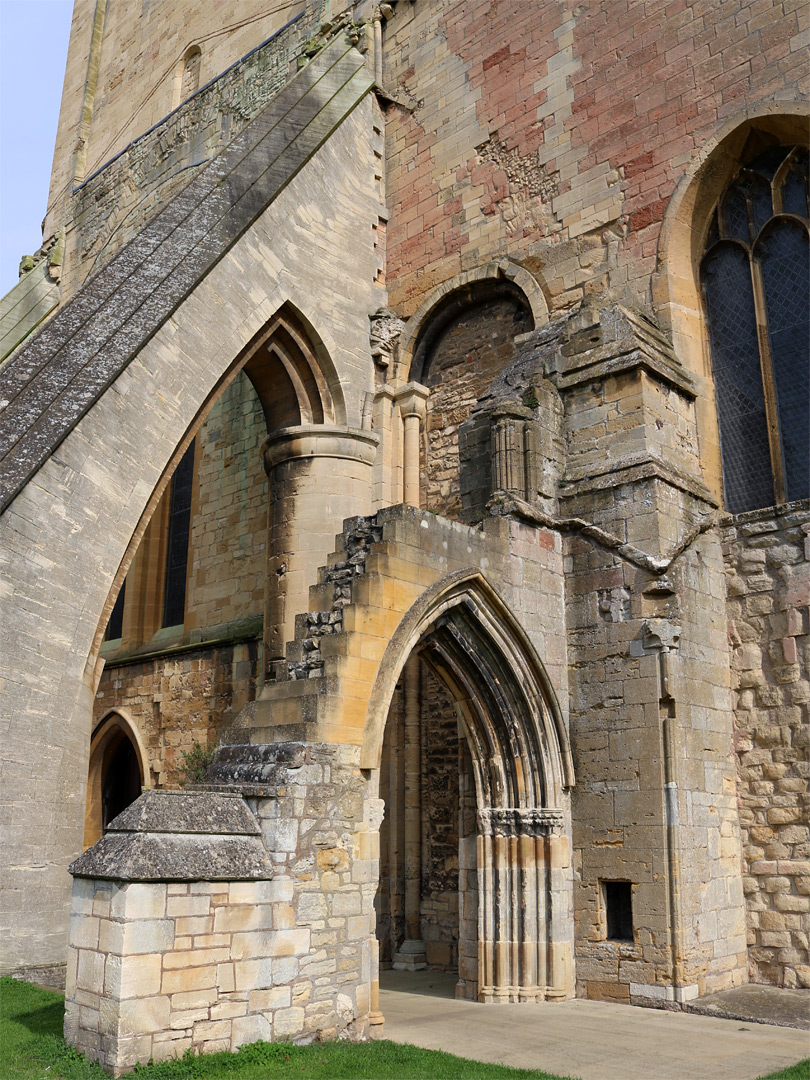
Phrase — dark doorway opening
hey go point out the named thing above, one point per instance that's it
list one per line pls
(121, 779)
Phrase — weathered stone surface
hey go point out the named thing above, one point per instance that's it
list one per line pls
(178, 836)
(175, 250)
(167, 811)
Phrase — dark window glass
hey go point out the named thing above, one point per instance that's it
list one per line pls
(116, 624)
(735, 214)
(761, 205)
(784, 258)
(738, 379)
(759, 330)
(767, 163)
(619, 910)
(794, 193)
(174, 591)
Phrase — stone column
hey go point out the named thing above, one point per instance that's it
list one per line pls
(509, 449)
(388, 466)
(525, 937)
(412, 398)
(318, 476)
(411, 955)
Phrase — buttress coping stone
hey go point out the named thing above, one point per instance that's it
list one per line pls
(179, 836)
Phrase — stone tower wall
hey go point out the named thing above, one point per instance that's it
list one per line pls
(122, 68)
(524, 130)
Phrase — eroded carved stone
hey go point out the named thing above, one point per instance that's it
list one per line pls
(384, 335)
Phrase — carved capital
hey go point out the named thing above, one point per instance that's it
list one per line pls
(518, 821)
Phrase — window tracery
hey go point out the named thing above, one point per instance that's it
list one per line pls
(756, 280)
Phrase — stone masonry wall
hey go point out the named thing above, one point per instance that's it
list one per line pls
(558, 132)
(114, 203)
(155, 968)
(440, 817)
(767, 555)
(135, 87)
(469, 354)
(229, 526)
(179, 701)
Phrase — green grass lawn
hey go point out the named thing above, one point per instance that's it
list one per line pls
(32, 1048)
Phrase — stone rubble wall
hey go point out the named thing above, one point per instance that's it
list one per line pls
(178, 702)
(440, 822)
(471, 352)
(767, 558)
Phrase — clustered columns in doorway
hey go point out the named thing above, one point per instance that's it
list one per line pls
(412, 955)
(524, 941)
(318, 476)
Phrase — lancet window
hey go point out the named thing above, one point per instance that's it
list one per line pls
(756, 281)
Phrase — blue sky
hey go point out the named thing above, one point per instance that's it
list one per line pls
(33, 49)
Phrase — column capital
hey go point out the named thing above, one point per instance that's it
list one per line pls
(520, 821)
(412, 399)
(319, 440)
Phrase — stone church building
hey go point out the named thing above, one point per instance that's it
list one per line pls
(405, 476)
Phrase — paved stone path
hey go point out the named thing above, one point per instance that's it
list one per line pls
(592, 1040)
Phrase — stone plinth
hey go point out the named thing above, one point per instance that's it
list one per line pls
(199, 924)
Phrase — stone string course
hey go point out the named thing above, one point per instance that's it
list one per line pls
(767, 557)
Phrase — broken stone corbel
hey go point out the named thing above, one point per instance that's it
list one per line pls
(386, 328)
(660, 634)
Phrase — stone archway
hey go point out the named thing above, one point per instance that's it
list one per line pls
(118, 770)
(519, 845)
(67, 568)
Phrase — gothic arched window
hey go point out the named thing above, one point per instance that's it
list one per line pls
(756, 281)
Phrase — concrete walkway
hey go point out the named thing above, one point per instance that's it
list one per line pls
(592, 1040)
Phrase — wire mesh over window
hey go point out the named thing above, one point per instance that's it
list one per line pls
(756, 280)
(174, 590)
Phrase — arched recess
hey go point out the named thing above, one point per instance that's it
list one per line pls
(522, 767)
(297, 385)
(682, 241)
(440, 305)
(118, 760)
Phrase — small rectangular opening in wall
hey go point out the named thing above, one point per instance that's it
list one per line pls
(619, 910)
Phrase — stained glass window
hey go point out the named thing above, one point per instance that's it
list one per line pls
(756, 281)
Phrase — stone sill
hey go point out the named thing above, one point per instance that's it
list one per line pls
(236, 633)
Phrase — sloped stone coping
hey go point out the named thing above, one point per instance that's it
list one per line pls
(179, 836)
(264, 764)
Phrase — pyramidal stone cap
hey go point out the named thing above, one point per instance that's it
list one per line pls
(179, 836)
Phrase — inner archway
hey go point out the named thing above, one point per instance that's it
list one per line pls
(471, 715)
(118, 771)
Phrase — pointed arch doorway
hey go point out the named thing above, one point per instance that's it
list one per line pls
(473, 756)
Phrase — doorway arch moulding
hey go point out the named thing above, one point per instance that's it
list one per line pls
(523, 772)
